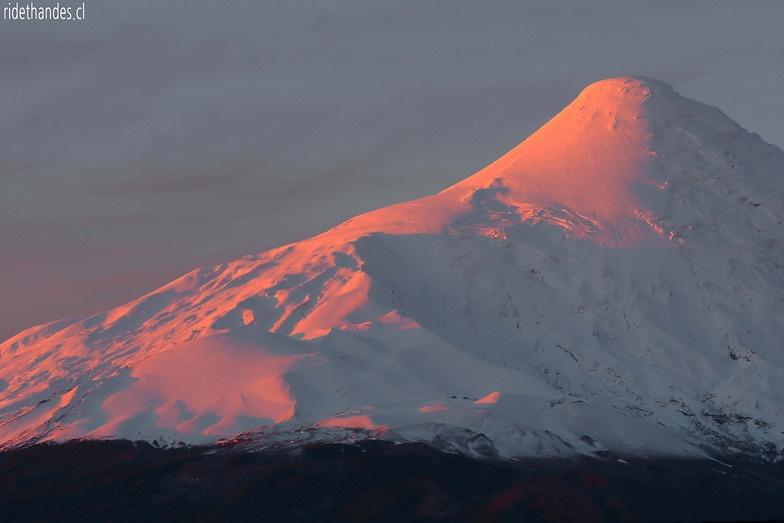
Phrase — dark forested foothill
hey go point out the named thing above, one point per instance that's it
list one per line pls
(371, 481)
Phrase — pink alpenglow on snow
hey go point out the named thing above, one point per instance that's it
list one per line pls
(615, 276)
(490, 398)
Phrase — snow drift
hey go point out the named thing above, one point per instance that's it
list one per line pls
(613, 283)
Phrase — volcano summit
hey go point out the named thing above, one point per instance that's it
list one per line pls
(613, 283)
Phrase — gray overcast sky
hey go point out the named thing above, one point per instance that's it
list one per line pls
(155, 137)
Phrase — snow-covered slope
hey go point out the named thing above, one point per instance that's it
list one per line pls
(612, 283)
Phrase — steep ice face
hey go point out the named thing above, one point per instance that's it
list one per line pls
(613, 282)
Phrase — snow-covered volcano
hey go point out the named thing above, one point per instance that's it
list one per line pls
(612, 283)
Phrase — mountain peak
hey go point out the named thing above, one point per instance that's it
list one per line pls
(596, 170)
(634, 89)
(585, 163)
